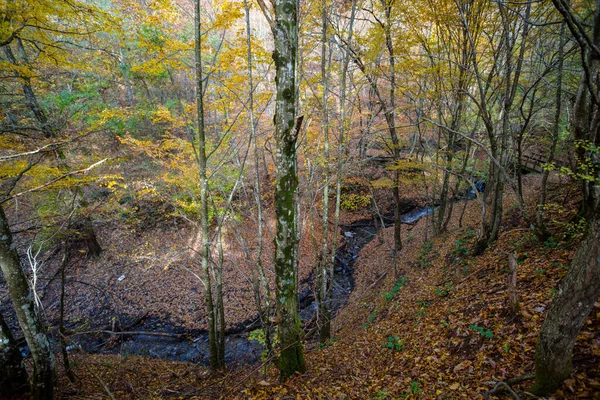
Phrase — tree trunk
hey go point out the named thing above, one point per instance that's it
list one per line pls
(390, 117)
(22, 298)
(341, 152)
(13, 376)
(285, 34)
(541, 230)
(580, 289)
(260, 282)
(567, 313)
(211, 320)
(323, 282)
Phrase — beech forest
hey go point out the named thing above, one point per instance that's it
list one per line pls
(299, 199)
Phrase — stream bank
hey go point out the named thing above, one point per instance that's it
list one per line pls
(155, 338)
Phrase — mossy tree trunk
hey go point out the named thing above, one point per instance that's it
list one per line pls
(22, 298)
(285, 33)
(581, 287)
(13, 376)
(567, 314)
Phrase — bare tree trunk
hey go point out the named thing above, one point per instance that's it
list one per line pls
(390, 116)
(323, 310)
(13, 375)
(202, 160)
(540, 225)
(22, 298)
(220, 306)
(263, 301)
(341, 147)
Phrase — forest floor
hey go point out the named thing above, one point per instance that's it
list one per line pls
(441, 329)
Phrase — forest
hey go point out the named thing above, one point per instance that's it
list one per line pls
(299, 199)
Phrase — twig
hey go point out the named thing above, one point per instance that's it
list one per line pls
(80, 171)
(46, 148)
(513, 230)
(378, 279)
(174, 335)
(469, 276)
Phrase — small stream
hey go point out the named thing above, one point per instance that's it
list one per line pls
(192, 346)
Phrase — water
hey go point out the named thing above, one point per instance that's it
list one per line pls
(192, 346)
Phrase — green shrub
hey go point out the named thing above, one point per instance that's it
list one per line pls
(390, 295)
(394, 343)
(482, 331)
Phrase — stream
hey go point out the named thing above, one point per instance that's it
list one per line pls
(192, 346)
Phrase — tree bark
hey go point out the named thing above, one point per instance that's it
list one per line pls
(262, 292)
(541, 230)
(211, 319)
(390, 117)
(323, 281)
(22, 298)
(580, 289)
(567, 314)
(285, 34)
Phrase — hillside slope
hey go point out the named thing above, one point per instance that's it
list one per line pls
(444, 330)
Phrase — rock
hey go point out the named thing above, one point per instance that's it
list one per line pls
(539, 309)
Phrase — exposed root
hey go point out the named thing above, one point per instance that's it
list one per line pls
(503, 386)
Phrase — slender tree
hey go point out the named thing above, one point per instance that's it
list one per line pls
(262, 291)
(581, 286)
(323, 278)
(22, 298)
(211, 320)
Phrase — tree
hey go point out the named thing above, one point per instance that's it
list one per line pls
(262, 292)
(211, 316)
(20, 293)
(324, 280)
(45, 35)
(581, 286)
(284, 27)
